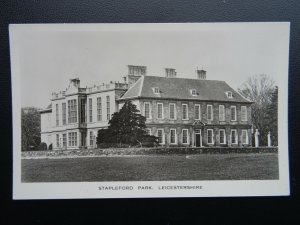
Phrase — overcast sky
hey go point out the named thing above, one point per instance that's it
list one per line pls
(49, 55)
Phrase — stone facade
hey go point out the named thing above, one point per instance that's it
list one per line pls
(154, 123)
(76, 114)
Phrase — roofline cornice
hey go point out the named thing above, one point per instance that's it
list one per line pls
(179, 99)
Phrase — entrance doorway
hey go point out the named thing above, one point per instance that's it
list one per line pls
(198, 138)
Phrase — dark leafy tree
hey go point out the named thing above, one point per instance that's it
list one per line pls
(125, 127)
(259, 89)
(31, 127)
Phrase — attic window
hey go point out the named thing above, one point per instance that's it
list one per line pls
(156, 90)
(194, 92)
(229, 94)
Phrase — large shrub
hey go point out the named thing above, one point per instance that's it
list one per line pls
(126, 127)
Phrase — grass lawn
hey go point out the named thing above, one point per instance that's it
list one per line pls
(153, 168)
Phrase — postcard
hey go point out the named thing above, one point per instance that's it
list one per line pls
(150, 110)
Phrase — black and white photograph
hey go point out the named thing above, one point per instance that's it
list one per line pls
(149, 110)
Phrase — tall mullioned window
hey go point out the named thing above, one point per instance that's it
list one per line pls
(82, 111)
(233, 137)
(222, 136)
(185, 136)
(233, 113)
(57, 140)
(92, 137)
(244, 137)
(197, 112)
(57, 115)
(185, 112)
(160, 114)
(210, 136)
(147, 110)
(209, 112)
(160, 135)
(108, 107)
(64, 140)
(64, 113)
(72, 111)
(221, 113)
(72, 136)
(244, 113)
(172, 136)
(90, 110)
(172, 111)
(99, 109)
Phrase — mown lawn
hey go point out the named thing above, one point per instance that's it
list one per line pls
(153, 168)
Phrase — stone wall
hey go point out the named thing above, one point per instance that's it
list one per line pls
(143, 151)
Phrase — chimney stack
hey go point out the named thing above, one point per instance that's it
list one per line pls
(170, 72)
(134, 73)
(201, 74)
(137, 70)
(75, 82)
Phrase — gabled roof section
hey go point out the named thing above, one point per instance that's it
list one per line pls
(46, 110)
(135, 90)
(180, 88)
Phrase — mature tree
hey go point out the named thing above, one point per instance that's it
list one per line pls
(125, 127)
(31, 126)
(259, 89)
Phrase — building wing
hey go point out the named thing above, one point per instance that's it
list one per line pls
(183, 88)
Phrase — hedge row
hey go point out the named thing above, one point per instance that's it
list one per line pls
(146, 151)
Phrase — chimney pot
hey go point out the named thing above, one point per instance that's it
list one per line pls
(201, 74)
(170, 72)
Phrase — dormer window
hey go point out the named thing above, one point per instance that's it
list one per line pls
(194, 92)
(229, 94)
(156, 90)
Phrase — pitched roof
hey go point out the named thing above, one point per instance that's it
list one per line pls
(46, 110)
(180, 88)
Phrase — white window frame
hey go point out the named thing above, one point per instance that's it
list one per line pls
(224, 136)
(174, 111)
(193, 92)
(247, 139)
(233, 107)
(156, 90)
(92, 138)
(212, 112)
(108, 115)
(162, 110)
(246, 113)
(199, 115)
(147, 103)
(187, 111)
(222, 115)
(212, 136)
(57, 114)
(90, 106)
(72, 111)
(229, 94)
(163, 135)
(72, 139)
(65, 140)
(175, 137)
(236, 136)
(57, 141)
(187, 137)
(99, 108)
(64, 113)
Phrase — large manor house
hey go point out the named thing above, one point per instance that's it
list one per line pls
(179, 111)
